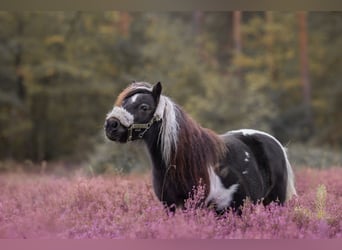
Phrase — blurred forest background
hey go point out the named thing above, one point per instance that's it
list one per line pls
(60, 73)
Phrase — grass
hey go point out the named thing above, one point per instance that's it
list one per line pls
(124, 206)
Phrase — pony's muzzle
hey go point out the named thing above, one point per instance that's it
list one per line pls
(112, 124)
(115, 131)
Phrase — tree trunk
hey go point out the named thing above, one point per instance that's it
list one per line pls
(237, 31)
(197, 22)
(18, 53)
(304, 67)
(124, 23)
(270, 46)
(237, 41)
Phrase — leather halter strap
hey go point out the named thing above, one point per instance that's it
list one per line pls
(141, 128)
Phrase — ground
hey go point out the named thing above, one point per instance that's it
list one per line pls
(124, 206)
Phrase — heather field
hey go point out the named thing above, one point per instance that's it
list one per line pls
(125, 207)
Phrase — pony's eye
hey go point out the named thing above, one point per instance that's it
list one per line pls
(144, 107)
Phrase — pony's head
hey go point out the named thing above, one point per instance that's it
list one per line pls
(135, 111)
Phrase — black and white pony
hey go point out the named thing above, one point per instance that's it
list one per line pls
(233, 166)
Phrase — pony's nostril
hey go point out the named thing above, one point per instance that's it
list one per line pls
(112, 124)
(115, 124)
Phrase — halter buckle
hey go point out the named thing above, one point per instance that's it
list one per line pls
(137, 127)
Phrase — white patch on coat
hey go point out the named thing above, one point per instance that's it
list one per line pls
(134, 97)
(290, 188)
(245, 172)
(218, 194)
(122, 115)
(246, 156)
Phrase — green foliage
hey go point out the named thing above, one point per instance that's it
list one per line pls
(270, 61)
(61, 71)
(325, 65)
(48, 114)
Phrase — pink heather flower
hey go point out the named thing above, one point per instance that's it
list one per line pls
(124, 207)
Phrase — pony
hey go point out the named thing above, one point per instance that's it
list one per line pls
(233, 166)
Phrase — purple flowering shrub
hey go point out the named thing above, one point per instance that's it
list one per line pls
(45, 206)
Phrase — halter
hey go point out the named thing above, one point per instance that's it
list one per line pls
(141, 127)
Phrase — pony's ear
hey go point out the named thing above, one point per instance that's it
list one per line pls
(156, 91)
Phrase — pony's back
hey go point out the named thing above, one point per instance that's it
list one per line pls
(258, 163)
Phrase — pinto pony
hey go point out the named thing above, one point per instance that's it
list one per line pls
(233, 166)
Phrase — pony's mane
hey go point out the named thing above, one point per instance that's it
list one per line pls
(168, 134)
(186, 146)
(135, 86)
(197, 150)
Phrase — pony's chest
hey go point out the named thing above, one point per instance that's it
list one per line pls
(168, 188)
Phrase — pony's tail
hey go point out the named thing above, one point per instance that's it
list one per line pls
(290, 188)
